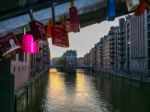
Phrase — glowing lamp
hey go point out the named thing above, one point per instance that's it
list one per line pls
(29, 45)
(31, 48)
(132, 4)
(111, 10)
(27, 38)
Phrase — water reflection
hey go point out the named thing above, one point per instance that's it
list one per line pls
(70, 93)
(122, 96)
(89, 92)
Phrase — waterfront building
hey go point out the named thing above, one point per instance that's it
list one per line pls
(106, 54)
(86, 60)
(97, 47)
(41, 60)
(80, 62)
(46, 54)
(125, 48)
(113, 36)
(92, 57)
(54, 62)
(121, 41)
(140, 43)
(70, 60)
(99, 55)
(20, 68)
(127, 33)
(109, 49)
(25, 66)
(148, 42)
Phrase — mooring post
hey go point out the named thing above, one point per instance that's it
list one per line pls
(7, 99)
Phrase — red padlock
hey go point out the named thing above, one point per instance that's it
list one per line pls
(68, 26)
(74, 22)
(38, 30)
(141, 8)
(60, 35)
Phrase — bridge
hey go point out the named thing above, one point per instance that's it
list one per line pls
(14, 16)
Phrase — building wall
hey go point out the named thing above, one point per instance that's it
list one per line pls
(121, 45)
(25, 66)
(147, 32)
(80, 62)
(70, 58)
(92, 56)
(20, 68)
(138, 51)
(125, 48)
(98, 61)
(127, 43)
(114, 34)
(106, 53)
(87, 60)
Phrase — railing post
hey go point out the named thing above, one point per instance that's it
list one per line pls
(6, 87)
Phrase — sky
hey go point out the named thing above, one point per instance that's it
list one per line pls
(83, 41)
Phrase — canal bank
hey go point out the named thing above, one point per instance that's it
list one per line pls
(86, 92)
(24, 94)
(126, 76)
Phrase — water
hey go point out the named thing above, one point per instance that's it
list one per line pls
(88, 93)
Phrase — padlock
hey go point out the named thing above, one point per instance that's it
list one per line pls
(111, 10)
(28, 44)
(141, 8)
(8, 44)
(68, 26)
(74, 21)
(48, 29)
(60, 35)
(38, 30)
(132, 4)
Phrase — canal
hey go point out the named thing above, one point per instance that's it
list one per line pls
(87, 92)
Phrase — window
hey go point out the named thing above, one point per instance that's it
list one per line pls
(21, 56)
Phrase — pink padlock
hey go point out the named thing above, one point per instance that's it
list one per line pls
(74, 22)
(27, 38)
(28, 44)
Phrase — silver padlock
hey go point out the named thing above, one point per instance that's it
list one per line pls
(132, 4)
